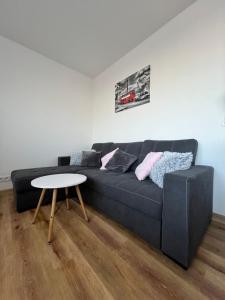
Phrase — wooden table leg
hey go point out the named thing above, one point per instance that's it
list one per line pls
(81, 202)
(39, 205)
(54, 196)
(67, 199)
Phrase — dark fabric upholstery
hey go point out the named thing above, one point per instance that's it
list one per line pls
(141, 149)
(143, 196)
(132, 148)
(121, 161)
(103, 147)
(91, 159)
(21, 179)
(190, 145)
(187, 211)
(144, 226)
(63, 160)
(29, 199)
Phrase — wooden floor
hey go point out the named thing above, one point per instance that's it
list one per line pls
(98, 260)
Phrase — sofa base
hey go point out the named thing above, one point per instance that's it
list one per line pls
(29, 199)
(143, 225)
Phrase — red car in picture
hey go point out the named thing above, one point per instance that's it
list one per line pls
(130, 97)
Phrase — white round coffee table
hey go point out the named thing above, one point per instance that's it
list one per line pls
(56, 182)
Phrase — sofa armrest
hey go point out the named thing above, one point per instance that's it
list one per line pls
(187, 211)
(63, 160)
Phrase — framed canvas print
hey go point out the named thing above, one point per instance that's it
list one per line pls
(134, 90)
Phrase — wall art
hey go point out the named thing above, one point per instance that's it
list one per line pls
(134, 90)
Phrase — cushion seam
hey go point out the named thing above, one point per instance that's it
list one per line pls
(134, 194)
(148, 215)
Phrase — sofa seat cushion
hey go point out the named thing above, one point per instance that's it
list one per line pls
(143, 196)
(21, 179)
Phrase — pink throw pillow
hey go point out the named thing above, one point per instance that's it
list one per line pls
(106, 158)
(144, 168)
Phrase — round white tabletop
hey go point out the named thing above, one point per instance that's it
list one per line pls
(58, 181)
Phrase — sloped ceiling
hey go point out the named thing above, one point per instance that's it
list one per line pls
(86, 35)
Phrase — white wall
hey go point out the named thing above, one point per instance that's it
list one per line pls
(187, 57)
(45, 109)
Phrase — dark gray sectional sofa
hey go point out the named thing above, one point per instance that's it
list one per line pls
(172, 219)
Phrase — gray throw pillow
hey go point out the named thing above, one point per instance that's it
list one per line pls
(91, 159)
(170, 162)
(121, 161)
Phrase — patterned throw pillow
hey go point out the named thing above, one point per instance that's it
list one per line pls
(144, 168)
(76, 157)
(170, 162)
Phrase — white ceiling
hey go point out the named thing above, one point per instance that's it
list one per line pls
(86, 35)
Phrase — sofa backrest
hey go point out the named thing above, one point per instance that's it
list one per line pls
(103, 147)
(132, 148)
(189, 145)
(141, 149)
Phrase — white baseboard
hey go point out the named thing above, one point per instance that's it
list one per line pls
(5, 185)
